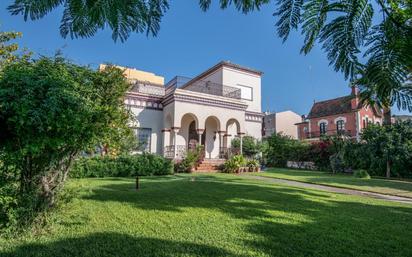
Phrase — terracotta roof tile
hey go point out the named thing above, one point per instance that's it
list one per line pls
(331, 107)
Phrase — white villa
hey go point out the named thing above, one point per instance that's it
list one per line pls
(210, 109)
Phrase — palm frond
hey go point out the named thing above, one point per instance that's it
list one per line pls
(388, 71)
(313, 19)
(84, 18)
(343, 36)
(289, 12)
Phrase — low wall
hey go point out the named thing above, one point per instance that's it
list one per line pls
(301, 165)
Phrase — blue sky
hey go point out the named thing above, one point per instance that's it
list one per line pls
(190, 41)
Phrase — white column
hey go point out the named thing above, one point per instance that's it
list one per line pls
(240, 134)
(175, 130)
(166, 139)
(199, 133)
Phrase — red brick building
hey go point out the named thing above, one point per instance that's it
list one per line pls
(344, 116)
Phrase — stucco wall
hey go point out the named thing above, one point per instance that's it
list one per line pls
(254, 129)
(285, 123)
(239, 79)
(148, 118)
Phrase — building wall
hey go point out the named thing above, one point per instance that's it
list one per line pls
(269, 124)
(245, 81)
(254, 129)
(134, 74)
(285, 123)
(349, 118)
(150, 118)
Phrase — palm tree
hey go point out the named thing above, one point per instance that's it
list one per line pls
(378, 56)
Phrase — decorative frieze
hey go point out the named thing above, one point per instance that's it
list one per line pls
(254, 116)
(144, 102)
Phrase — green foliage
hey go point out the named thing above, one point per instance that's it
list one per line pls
(145, 164)
(86, 18)
(250, 146)
(51, 110)
(253, 165)
(190, 161)
(234, 164)
(389, 145)
(7, 51)
(361, 174)
(281, 148)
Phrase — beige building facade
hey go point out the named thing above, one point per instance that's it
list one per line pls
(281, 122)
(210, 109)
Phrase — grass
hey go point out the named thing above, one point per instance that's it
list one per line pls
(215, 215)
(377, 185)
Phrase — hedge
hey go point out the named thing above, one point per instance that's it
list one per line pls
(145, 164)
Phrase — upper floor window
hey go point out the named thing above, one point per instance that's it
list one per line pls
(340, 125)
(246, 93)
(322, 128)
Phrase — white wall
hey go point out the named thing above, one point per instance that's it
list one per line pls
(254, 129)
(285, 123)
(239, 79)
(149, 118)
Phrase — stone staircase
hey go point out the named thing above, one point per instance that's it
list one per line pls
(209, 165)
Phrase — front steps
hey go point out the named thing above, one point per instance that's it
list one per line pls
(209, 165)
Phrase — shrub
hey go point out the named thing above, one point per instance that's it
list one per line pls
(253, 165)
(250, 146)
(336, 163)
(190, 161)
(361, 174)
(234, 164)
(145, 164)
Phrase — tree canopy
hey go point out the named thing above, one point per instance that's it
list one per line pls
(50, 111)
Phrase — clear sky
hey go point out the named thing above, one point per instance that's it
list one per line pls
(191, 41)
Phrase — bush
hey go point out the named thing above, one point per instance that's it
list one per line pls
(253, 165)
(336, 163)
(361, 174)
(145, 164)
(190, 161)
(250, 146)
(234, 164)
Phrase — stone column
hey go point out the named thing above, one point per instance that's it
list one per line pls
(220, 133)
(241, 134)
(175, 130)
(199, 133)
(165, 131)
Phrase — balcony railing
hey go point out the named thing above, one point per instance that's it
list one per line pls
(206, 87)
(317, 134)
(180, 153)
(227, 152)
(147, 88)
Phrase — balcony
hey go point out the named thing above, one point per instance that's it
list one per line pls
(147, 88)
(205, 87)
(332, 132)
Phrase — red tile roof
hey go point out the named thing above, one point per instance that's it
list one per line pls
(331, 107)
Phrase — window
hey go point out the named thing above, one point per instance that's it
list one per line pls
(322, 128)
(144, 137)
(246, 92)
(340, 125)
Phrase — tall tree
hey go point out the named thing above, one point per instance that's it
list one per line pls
(51, 110)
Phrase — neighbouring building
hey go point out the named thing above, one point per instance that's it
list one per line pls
(280, 122)
(210, 109)
(344, 116)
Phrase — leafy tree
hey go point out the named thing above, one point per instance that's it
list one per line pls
(250, 146)
(390, 145)
(50, 111)
(7, 51)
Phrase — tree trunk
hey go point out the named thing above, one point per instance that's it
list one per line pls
(388, 169)
(387, 116)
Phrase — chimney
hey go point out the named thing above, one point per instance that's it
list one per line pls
(355, 99)
(303, 117)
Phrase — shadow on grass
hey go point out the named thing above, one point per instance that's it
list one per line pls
(114, 244)
(276, 220)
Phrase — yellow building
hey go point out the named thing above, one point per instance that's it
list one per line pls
(134, 74)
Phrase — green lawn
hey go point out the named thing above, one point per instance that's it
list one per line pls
(216, 215)
(377, 185)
